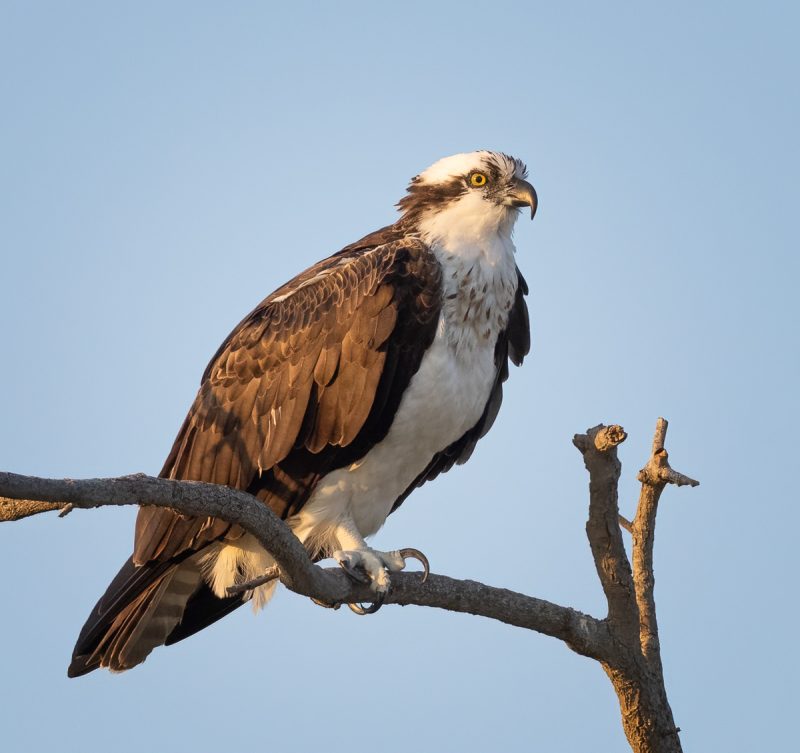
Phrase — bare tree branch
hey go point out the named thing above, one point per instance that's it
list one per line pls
(634, 666)
(625, 643)
(654, 477)
(17, 509)
(583, 633)
(599, 449)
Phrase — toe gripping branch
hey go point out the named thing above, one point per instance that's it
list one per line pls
(359, 576)
(408, 553)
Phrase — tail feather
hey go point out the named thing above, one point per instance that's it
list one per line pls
(151, 618)
(144, 607)
(133, 634)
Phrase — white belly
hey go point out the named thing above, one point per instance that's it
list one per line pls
(445, 398)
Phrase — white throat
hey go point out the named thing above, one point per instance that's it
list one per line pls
(469, 225)
(471, 238)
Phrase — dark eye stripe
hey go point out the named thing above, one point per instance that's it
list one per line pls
(421, 196)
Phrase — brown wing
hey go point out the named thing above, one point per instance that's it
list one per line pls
(513, 344)
(307, 383)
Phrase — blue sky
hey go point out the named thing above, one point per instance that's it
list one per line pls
(164, 166)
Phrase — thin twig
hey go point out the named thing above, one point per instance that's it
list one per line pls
(272, 573)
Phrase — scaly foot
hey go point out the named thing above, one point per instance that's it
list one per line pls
(374, 568)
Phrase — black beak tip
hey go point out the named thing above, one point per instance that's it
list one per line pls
(523, 194)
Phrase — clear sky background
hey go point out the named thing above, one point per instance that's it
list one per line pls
(164, 166)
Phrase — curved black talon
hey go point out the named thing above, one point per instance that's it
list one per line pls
(359, 576)
(416, 554)
(325, 603)
(371, 609)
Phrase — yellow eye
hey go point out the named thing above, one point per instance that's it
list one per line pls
(478, 180)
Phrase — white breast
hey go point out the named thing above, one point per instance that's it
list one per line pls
(445, 398)
(441, 403)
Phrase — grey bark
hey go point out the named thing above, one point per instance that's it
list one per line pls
(625, 642)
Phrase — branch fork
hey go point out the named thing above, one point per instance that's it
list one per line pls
(634, 663)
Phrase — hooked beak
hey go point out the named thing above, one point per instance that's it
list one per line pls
(522, 194)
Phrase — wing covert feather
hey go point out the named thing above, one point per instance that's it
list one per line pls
(306, 383)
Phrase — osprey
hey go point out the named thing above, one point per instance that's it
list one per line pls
(359, 380)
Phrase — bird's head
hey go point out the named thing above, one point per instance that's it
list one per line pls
(476, 193)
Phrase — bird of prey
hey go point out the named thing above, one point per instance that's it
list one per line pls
(357, 381)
